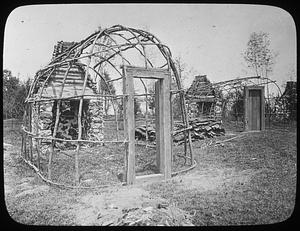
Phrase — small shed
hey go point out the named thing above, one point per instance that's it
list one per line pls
(201, 97)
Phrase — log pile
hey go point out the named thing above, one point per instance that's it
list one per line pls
(140, 133)
(200, 129)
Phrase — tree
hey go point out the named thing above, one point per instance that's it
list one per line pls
(14, 94)
(258, 55)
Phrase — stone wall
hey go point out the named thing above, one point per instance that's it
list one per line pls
(92, 121)
(96, 112)
(42, 123)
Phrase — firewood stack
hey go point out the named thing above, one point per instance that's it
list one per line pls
(200, 129)
(140, 133)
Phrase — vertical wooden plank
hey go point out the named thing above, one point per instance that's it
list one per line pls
(25, 148)
(166, 127)
(130, 128)
(246, 106)
(172, 126)
(53, 141)
(262, 108)
(157, 124)
(25, 134)
(22, 132)
(22, 143)
(161, 127)
(30, 129)
(37, 134)
(125, 126)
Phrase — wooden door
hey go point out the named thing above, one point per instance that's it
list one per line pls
(254, 108)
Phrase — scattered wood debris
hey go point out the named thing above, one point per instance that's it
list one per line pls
(162, 215)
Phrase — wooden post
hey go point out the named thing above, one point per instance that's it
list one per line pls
(22, 143)
(56, 122)
(262, 103)
(166, 127)
(172, 125)
(129, 129)
(30, 129)
(246, 127)
(125, 126)
(25, 134)
(25, 148)
(53, 141)
(158, 122)
(37, 134)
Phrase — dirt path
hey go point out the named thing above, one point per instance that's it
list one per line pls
(107, 208)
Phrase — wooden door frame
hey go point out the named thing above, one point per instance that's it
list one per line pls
(162, 121)
(247, 109)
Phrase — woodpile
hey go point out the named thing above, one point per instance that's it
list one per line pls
(140, 133)
(200, 129)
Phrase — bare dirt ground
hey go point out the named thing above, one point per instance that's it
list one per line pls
(251, 180)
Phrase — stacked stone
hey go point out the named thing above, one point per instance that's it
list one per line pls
(45, 120)
(96, 131)
(43, 127)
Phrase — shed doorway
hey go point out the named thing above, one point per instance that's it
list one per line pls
(254, 108)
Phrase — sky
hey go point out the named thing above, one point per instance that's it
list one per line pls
(209, 38)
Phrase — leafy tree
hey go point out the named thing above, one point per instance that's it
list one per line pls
(258, 55)
(14, 95)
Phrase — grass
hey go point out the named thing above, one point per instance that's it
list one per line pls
(101, 165)
(269, 197)
(43, 208)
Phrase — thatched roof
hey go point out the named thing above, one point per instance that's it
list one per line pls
(74, 81)
(201, 89)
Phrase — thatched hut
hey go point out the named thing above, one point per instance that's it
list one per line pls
(201, 97)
